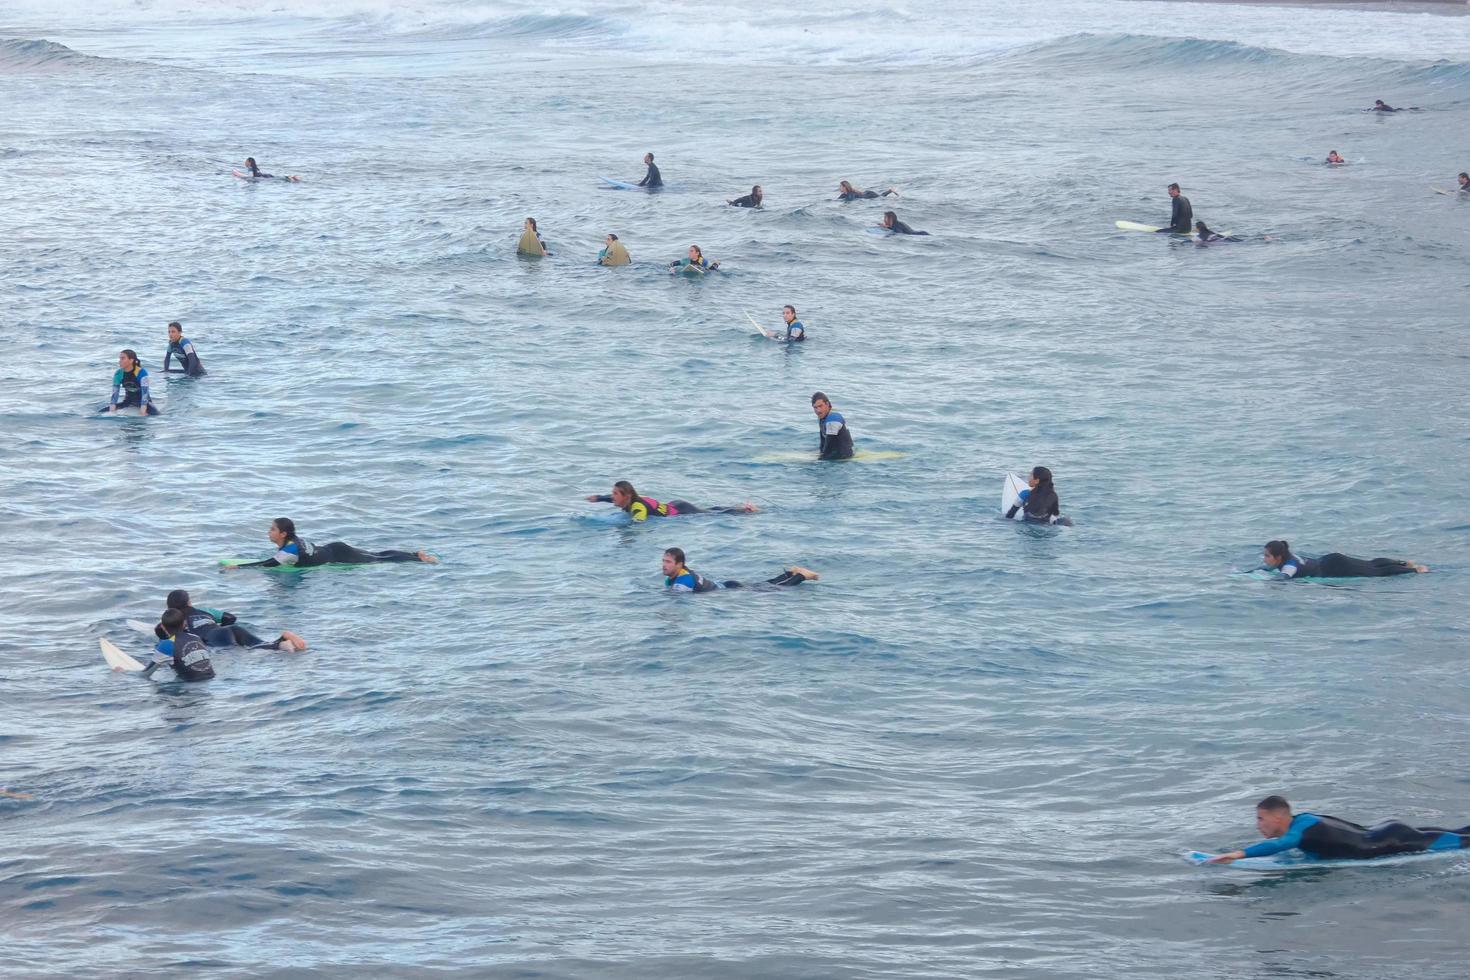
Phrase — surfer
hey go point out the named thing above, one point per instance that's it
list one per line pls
(795, 332)
(293, 551)
(678, 577)
(696, 260)
(1279, 557)
(847, 192)
(180, 347)
(220, 629)
(528, 227)
(1181, 216)
(1333, 157)
(613, 252)
(257, 174)
(1330, 838)
(1206, 235)
(1380, 106)
(130, 386)
(834, 441)
(641, 508)
(751, 200)
(891, 222)
(651, 179)
(186, 652)
(1040, 501)
(1464, 181)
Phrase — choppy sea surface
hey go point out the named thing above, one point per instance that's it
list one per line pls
(973, 748)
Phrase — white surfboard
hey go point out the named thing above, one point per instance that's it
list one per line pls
(1010, 495)
(763, 331)
(139, 626)
(118, 660)
(1441, 190)
(1135, 226)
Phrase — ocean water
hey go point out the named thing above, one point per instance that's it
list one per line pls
(973, 748)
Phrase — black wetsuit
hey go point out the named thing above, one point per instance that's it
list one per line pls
(301, 553)
(1328, 838)
(188, 357)
(1337, 565)
(1041, 505)
(220, 630)
(834, 439)
(1181, 220)
(652, 178)
(861, 195)
(190, 660)
(688, 580)
(642, 508)
(899, 228)
(748, 201)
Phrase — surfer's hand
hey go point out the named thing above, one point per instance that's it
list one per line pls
(1226, 858)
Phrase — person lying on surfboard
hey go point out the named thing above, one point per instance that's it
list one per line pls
(1334, 157)
(300, 553)
(847, 192)
(1278, 557)
(834, 441)
(257, 174)
(678, 577)
(1181, 215)
(640, 508)
(1329, 838)
(695, 260)
(1206, 235)
(891, 222)
(218, 628)
(653, 178)
(751, 200)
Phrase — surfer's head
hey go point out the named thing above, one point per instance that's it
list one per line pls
(623, 494)
(127, 359)
(1464, 179)
(788, 313)
(531, 226)
(1275, 553)
(250, 165)
(756, 193)
(283, 529)
(695, 255)
(890, 218)
(1273, 816)
(673, 561)
(1379, 104)
(1173, 190)
(177, 599)
(821, 405)
(1040, 476)
(172, 619)
(648, 158)
(1202, 229)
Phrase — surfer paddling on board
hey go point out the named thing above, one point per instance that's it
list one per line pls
(299, 553)
(653, 178)
(891, 222)
(751, 200)
(678, 577)
(1329, 838)
(1279, 557)
(834, 441)
(640, 508)
(220, 629)
(1181, 217)
(847, 192)
(1333, 157)
(257, 174)
(1206, 235)
(696, 260)
(130, 386)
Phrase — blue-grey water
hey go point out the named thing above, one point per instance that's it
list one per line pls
(974, 748)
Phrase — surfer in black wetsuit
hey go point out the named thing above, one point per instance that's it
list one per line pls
(652, 178)
(1040, 502)
(1464, 181)
(847, 192)
(1206, 235)
(678, 577)
(300, 553)
(1333, 157)
(186, 651)
(1330, 838)
(834, 441)
(183, 349)
(751, 200)
(891, 222)
(1380, 106)
(1278, 557)
(641, 508)
(220, 629)
(1181, 219)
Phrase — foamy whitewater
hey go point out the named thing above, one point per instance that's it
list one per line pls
(974, 748)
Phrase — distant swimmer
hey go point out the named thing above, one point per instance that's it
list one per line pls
(1182, 216)
(180, 347)
(531, 242)
(834, 441)
(1333, 157)
(1206, 235)
(1380, 106)
(891, 222)
(220, 629)
(653, 178)
(751, 200)
(1279, 557)
(641, 508)
(613, 252)
(257, 174)
(696, 260)
(187, 653)
(1040, 502)
(795, 332)
(296, 552)
(130, 386)
(1326, 838)
(679, 578)
(1464, 181)
(847, 192)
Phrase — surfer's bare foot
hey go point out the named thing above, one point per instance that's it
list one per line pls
(1421, 569)
(426, 557)
(295, 642)
(805, 573)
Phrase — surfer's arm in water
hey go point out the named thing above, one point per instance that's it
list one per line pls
(288, 555)
(1292, 838)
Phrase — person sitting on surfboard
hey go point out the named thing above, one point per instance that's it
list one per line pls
(891, 222)
(795, 332)
(1040, 501)
(220, 629)
(1182, 215)
(640, 508)
(651, 179)
(834, 441)
(751, 200)
(180, 347)
(130, 386)
(299, 553)
(678, 577)
(847, 192)
(1334, 157)
(256, 174)
(695, 260)
(1206, 235)
(1326, 838)
(186, 652)
(1278, 557)
(613, 252)
(530, 234)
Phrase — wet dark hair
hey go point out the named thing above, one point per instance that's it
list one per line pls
(698, 250)
(1173, 187)
(675, 553)
(532, 223)
(285, 525)
(788, 306)
(1042, 474)
(612, 236)
(132, 355)
(250, 162)
(846, 187)
(820, 397)
(172, 619)
(627, 488)
(1278, 549)
(1465, 175)
(1379, 102)
(1202, 229)
(178, 599)
(176, 325)
(890, 216)
(1274, 802)
(756, 189)
(649, 154)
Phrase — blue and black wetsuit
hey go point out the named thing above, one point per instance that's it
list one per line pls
(652, 178)
(1337, 565)
(687, 581)
(188, 357)
(1041, 505)
(187, 655)
(300, 553)
(835, 441)
(643, 508)
(748, 201)
(1326, 838)
(795, 332)
(899, 228)
(130, 390)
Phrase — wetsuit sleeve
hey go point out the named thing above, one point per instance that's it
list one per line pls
(144, 398)
(603, 498)
(116, 387)
(683, 583)
(1289, 569)
(1292, 838)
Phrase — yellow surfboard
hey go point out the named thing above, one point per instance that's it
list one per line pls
(530, 244)
(616, 255)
